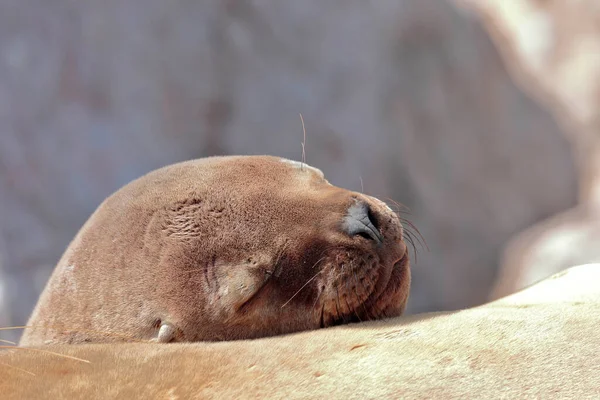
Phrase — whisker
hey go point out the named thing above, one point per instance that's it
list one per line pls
(419, 235)
(409, 239)
(410, 236)
(318, 261)
(403, 208)
(303, 143)
(63, 329)
(17, 368)
(299, 290)
(46, 352)
(409, 225)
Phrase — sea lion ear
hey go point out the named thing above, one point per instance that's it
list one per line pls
(239, 282)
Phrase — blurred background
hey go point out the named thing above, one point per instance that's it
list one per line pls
(455, 109)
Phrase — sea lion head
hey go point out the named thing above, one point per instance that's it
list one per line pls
(226, 248)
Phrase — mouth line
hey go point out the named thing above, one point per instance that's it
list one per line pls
(366, 310)
(373, 297)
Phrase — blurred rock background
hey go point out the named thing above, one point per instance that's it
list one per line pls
(410, 96)
(552, 49)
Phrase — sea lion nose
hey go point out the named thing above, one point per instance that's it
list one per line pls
(360, 221)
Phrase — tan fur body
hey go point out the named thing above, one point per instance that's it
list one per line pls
(543, 342)
(225, 248)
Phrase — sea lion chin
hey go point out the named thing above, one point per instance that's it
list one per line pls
(225, 248)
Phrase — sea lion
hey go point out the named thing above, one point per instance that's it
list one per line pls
(539, 343)
(225, 248)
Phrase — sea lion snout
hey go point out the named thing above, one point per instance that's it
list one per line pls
(360, 221)
(369, 276)
(372, 219)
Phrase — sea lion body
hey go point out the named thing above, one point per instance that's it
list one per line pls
(542, 343)
(225, 248)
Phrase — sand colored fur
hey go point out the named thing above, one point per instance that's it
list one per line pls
(543, 342)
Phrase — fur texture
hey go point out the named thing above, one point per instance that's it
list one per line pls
(543, 342)
(224, 248)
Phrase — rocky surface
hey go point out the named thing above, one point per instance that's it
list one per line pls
(410, 97)
(553, 50)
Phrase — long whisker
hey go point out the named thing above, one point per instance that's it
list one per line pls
(410, 240)
(404, 208)
(17, 368)
(46, 352)
(63, 329)
(318, 261)
(419, 235)
(303, 143)
(303, 286)
(409, 236)
(410, 227)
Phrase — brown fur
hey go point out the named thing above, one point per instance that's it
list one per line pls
(222, 248)
(542, 342)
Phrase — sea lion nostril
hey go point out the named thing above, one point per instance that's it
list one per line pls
(360, 222)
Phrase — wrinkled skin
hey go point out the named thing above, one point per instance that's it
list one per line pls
(225, 248)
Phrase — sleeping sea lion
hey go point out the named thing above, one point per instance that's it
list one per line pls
(225, 248)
